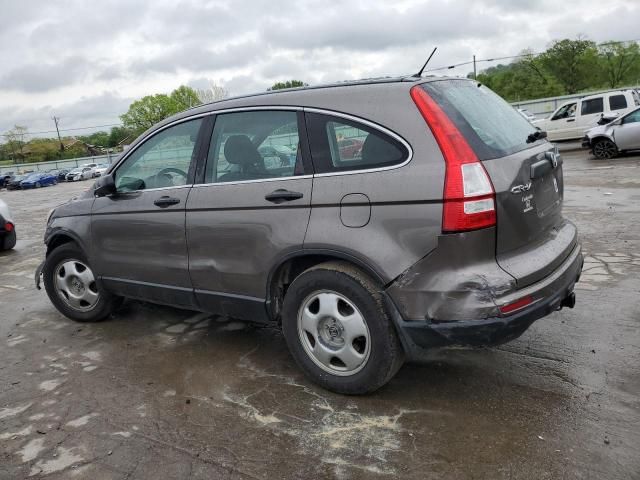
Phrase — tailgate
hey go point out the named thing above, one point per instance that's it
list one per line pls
(533, 238)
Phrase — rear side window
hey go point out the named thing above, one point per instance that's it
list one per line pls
(595, 105)
(489, 124)
(255, 145)
(339, 144)
(617, 102)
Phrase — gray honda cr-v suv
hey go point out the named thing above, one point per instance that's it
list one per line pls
(443, 226)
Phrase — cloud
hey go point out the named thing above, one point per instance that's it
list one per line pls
(68, 53)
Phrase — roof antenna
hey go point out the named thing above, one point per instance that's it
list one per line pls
(419, 74)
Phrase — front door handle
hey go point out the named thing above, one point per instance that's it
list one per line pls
(282, 195)
(166, 201)
(571, 120)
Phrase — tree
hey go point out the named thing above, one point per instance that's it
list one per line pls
(184, 97)
(572, 63)
(620, 62)
(119, 135)
(288, 84)
(149, 110)
(212, 94)
(16, 141)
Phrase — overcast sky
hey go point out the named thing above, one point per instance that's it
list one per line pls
(85, 61)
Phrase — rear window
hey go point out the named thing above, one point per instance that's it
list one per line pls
(617, 102)
(595, 105)
(490, 125)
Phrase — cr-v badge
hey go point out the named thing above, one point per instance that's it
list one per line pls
(521, 188)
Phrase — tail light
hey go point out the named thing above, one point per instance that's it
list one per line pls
(469, 197)
(8, 227)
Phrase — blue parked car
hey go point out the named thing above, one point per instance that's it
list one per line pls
(39, 179)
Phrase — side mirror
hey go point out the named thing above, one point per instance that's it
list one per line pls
(105, 185)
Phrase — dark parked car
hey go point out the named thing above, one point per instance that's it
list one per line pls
(38, 179)
(350, 147)
(62, 174)
(14, 182)
(7, 228)
(4, 178)
(447, 230)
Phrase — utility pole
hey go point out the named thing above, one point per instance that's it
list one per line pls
(55, 120)
(475, 76)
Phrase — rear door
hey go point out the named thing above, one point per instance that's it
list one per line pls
(249, 210)
(532, 236)
(590, 112)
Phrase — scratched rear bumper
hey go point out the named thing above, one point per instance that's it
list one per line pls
(547, 294)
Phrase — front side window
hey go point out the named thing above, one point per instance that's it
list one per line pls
(632, 118)
(338, 144)
(254, 145)
(595, 105)
(567, 111)
(162, 161)
(617, 102)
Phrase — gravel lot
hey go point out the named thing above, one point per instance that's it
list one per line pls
(160, 393)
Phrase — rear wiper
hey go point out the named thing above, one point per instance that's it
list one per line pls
(537, 135)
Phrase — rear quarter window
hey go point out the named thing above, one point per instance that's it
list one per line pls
(339, 144)
(489, 124)
(617, 102)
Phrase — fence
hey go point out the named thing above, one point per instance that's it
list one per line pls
(58, 164)
(543, 107)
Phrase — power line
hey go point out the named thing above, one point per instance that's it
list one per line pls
(67, 129)
(510, 57)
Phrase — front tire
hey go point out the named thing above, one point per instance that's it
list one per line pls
(72, 287)
(338, 330)
(605, 149)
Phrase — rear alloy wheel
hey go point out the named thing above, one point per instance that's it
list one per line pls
(72, 287)
(38, 185)
(605, 149)
(338, 331)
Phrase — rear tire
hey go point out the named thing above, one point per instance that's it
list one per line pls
(605, 149)
(38, 185)
(72, 287)
(338, 331)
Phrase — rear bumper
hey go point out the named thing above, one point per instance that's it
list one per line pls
(549, 295)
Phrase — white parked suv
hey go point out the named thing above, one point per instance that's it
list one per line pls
(572, 119)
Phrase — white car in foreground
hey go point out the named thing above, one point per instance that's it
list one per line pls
(7, 228)
(622, 134)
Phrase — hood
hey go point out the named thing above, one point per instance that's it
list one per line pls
(599, 130)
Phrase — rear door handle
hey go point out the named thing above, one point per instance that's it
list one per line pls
(282, 195)
(166, 201)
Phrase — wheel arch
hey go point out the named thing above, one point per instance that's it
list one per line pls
(292, 265)
(62, 237)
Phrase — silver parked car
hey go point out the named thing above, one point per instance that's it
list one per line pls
(610, 139)
(445, 229)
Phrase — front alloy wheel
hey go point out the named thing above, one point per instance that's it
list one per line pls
(334, 333)
(605, 149)
(76, 285)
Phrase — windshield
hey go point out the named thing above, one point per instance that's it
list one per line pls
(491, 126)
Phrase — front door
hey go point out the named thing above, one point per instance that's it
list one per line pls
(139, 232)
(251, 209)
(627, 134)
